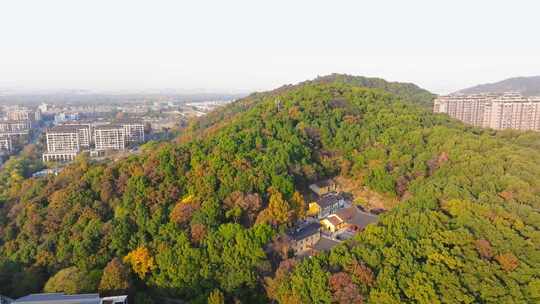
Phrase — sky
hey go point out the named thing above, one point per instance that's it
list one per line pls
(242, 46)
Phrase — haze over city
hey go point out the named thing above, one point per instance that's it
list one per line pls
(242, 46)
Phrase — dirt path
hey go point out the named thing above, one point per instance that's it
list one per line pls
(365, 197)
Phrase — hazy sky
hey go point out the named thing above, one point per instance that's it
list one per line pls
(254, 45)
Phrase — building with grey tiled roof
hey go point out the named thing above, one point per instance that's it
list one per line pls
(61, 298)
(305, 236)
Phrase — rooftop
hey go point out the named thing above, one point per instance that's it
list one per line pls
(64, 129)
(325, 183)
(14, 121)
(334, 220)
(508, 97)
(329, 199)
(92, 298)
(353, 216)
(77, 122)
(126, 121)
(304, 231)
(325, 244)
(109, 127)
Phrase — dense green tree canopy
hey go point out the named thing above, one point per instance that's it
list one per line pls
(193, 219)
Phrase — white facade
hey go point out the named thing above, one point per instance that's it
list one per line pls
(85, 135)
(15, 125)
(63, 141)
(64, 117)
(23, 114)
(506, 111)
(134, 132)
(6, 144)
(43, 107)
(110, 137)
(66, 156)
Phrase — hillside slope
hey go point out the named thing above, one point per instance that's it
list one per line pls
(528, 86)
(193, 219)
(406, 92)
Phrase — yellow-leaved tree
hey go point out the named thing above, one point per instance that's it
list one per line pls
(278, 211)
(141, 261)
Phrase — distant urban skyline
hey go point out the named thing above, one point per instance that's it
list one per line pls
(22, 90)
(245, 46)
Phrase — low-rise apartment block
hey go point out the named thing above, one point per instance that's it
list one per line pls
(61, 156)
(496, 111)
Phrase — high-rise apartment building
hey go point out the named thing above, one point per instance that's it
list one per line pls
(6, 144)
(15, 125)
(63, 143)
(23, 114)
(85, 134)
(134, 131)
(110, 137)
(502, 111)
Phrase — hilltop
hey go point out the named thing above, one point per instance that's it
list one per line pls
(406, 92)
(528, 86)
(202, 218)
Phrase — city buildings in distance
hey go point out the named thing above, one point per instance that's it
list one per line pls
(15, 126)
(66, 141)
(496, 111)
(70, 127)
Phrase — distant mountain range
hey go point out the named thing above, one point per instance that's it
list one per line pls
(528, 86)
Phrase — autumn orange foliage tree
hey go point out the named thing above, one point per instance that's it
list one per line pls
(344, 290)
(115, 276)
(508, 261)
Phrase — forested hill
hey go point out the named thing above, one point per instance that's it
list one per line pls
(407, 92)
(199, 219)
